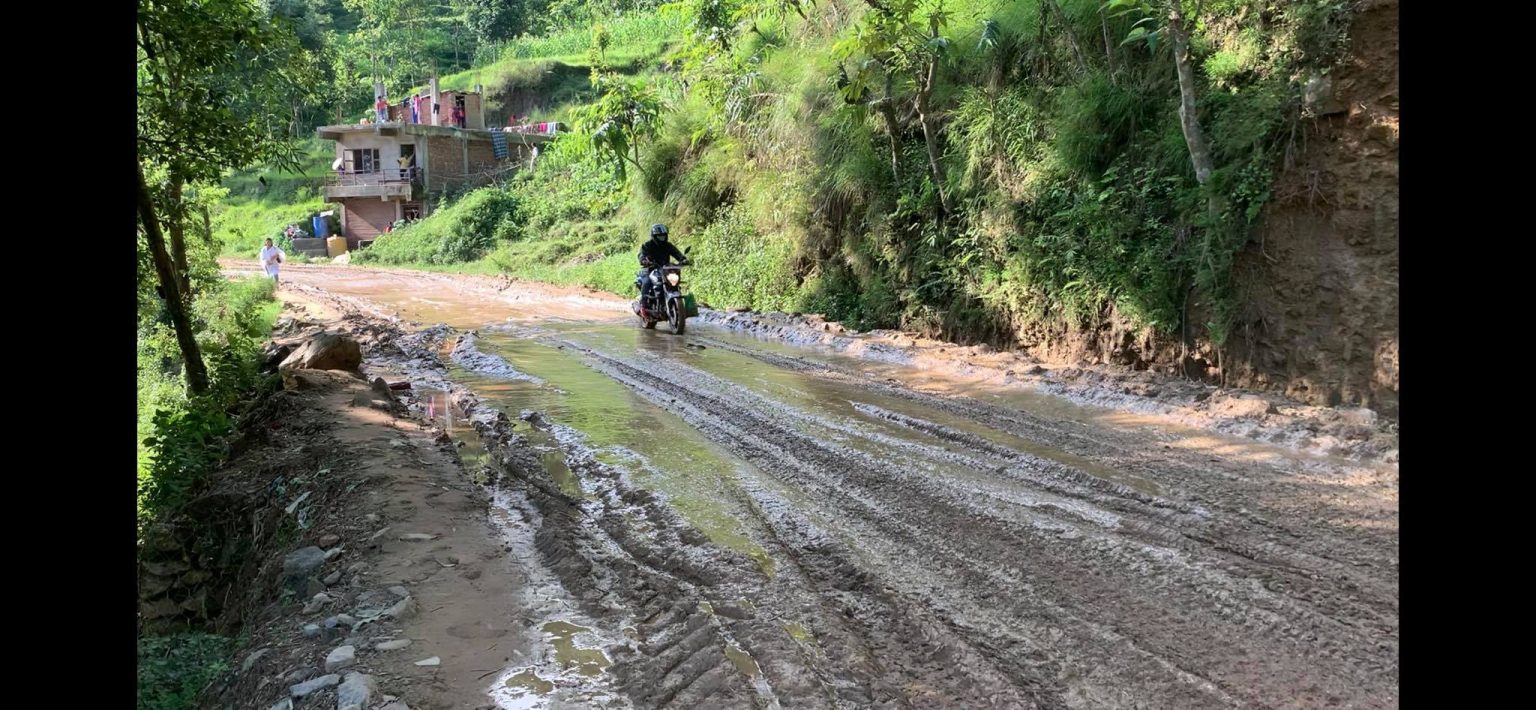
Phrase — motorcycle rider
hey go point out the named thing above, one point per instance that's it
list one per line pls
(654, 254)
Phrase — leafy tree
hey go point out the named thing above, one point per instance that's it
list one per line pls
(495, 20)
(625, 115)
(216, 82)
(902, 40)
(1179, 21)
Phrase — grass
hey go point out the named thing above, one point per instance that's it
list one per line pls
(631, 35)
(556, 68)
(178, 434)
(254, 210)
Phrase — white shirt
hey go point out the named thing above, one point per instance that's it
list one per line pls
(271, 256)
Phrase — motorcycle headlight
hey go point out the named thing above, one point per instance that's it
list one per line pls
(672, 278)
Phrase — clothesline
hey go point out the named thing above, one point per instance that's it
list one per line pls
(545, 128)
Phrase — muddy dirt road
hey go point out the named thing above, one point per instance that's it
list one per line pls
(720, 520)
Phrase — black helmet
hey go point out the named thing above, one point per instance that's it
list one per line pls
(659, 232)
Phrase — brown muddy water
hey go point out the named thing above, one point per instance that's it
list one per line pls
(743, 523)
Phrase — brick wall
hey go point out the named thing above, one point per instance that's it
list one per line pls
(445, 161)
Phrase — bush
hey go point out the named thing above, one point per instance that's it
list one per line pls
(174, 669)
(179, 435)
(462, 232)
(738, 266)
(1095, 120)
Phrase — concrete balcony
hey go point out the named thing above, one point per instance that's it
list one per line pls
(389, 184)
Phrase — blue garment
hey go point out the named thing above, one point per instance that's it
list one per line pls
(499, 144)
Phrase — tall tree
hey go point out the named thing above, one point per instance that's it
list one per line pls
(906, 40)
(493, 20)
(215, 84)
(1179, 24)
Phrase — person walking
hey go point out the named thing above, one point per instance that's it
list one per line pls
(271, 257)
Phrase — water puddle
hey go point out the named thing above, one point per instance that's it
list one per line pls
(570, 654)
(530, 682)
(854, 413)
(621, 429)
(743, 661)
(566, 665)
(800, 634)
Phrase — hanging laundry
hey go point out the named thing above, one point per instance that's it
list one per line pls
(499, 144)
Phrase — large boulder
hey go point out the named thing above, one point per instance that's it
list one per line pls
(326, 351)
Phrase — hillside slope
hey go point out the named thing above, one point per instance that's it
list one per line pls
(1052, 207)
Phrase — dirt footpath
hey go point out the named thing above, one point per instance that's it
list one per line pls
(393, 572)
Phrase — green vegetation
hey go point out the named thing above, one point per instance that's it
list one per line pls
(260, 202)
(179, 433)
(966, 169)
(463, 231)
(964, 173)
(174, 669)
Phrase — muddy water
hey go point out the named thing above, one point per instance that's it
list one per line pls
(440, 298)
(619, 427)
(945, 545)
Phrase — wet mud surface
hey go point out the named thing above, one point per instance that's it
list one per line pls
(717, 521)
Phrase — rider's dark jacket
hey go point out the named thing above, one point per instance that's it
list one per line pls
(655, 252)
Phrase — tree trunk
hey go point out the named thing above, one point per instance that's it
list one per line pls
(175, 305)
(1066, 29)
(892, 129)
(177, 226)
(1194, 137)
(1109, 45)
(930, 133)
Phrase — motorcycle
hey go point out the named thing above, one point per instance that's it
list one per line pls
(668, 301)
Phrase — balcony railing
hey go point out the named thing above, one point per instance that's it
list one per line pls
(375, 177)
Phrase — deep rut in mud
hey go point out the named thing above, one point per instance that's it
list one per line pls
(752, 528)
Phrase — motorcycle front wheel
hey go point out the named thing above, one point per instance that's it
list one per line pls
(675, 316)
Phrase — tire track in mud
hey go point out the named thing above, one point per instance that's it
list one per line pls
(1255, 494)
(1178, 614)
(694, 602)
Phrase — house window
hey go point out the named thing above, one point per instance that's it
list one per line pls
(363, 160)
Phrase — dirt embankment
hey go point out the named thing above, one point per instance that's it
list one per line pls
(345, 543)
(1319, 277)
